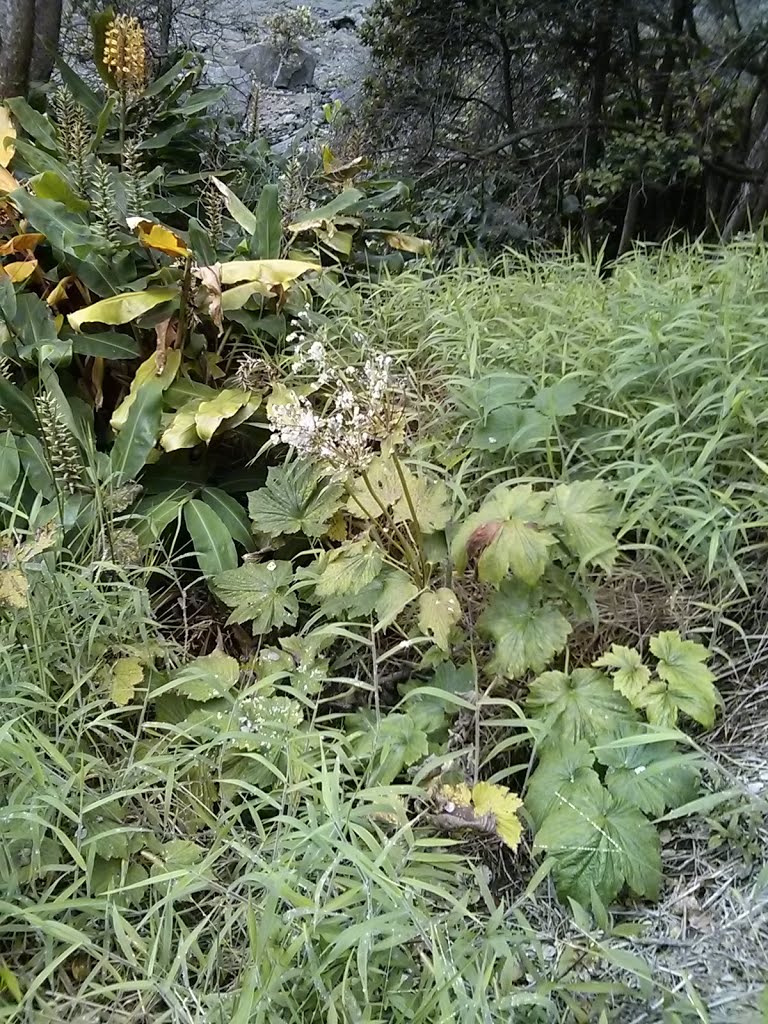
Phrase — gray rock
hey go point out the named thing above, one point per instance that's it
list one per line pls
(268, 66)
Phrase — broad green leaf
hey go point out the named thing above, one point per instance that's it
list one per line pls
(295, 499)
(528, 633)
(505, 535)
(268, 234)
(439, 611)
(231, 513)
(347, 569)
(262, 722)
(389, 747)
(121, 309)
(138, 435)
(690, 682)
(659, 705)
(65, 229)
(654, 777)
(238, 210)
(207, 677)
(214, 548)
(126, 676)
(210, 415)
(579, 706)
(631, 676)
(37, 338)
(601, 843)
(148, 375)
(564, 777)
(18, 405)
(560, 399)
(107, 345)
(10, 463)
(153, 514)
(258, 592)
(50, 185)
(511, 428)
(33, 123)
(584, 511)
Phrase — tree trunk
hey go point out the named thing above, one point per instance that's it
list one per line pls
(164, 22)
(46, 44)
(17, 23)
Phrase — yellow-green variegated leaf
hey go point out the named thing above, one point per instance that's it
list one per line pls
(439, 611)
(267, 272)
(181, 432)
(210, 415)
(127, 674)
(7, 137)
(121, 309)
(147, 373)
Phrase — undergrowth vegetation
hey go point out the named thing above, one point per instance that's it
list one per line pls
(313, 705)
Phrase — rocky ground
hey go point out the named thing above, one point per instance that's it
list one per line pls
(292, 92)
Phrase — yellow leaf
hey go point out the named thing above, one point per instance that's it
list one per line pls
(236, 298)
(149, 370)
(181, 432)
(155, 236)
(267, 272)
(210, 415)
(438, 611)
(120, 309)
(7, 181)
(488, 798)
(59, 293)
(7, 135)
(14, 588)
(127, 674)
(460, 794)
(19, 271)
(21, 243)
(408, 243)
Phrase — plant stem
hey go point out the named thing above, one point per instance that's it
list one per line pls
(416, 529)
(408, 549)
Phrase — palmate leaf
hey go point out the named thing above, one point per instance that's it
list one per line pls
(295, 499)
(126, 675)
(579, 706)
(598, 841)
(564, 774)
(631, 676)
(207, 677)
(487, 808)
(506, 536)
(690, 684)
(388, 747)
(347, 569)
(528, 632)
(258, 593)
(584, 512)
(430, 498)
(653, 777)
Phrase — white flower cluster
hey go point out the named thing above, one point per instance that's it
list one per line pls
(362, 408)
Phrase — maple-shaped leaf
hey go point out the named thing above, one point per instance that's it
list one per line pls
(258, 592)
(528, 632)
(295, 499)
(125, 676)
(631, 676)
(659, 705)
(347, 569)
(207, 677)
(579, 706)
(488, 798)
(14, 589)
(430, 498)
(584, 512)
(690, 683)
(653, 777)
(439, 611)
(598, 841)
(506, 535)
(397, 591)
(564, 774)
(388, 746)
(486, 808)
(259, 722)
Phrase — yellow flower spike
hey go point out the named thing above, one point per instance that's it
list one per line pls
(125, 54)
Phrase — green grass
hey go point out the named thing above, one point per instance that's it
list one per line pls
(669, 351)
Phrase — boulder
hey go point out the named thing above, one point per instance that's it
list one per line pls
(294, 70)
